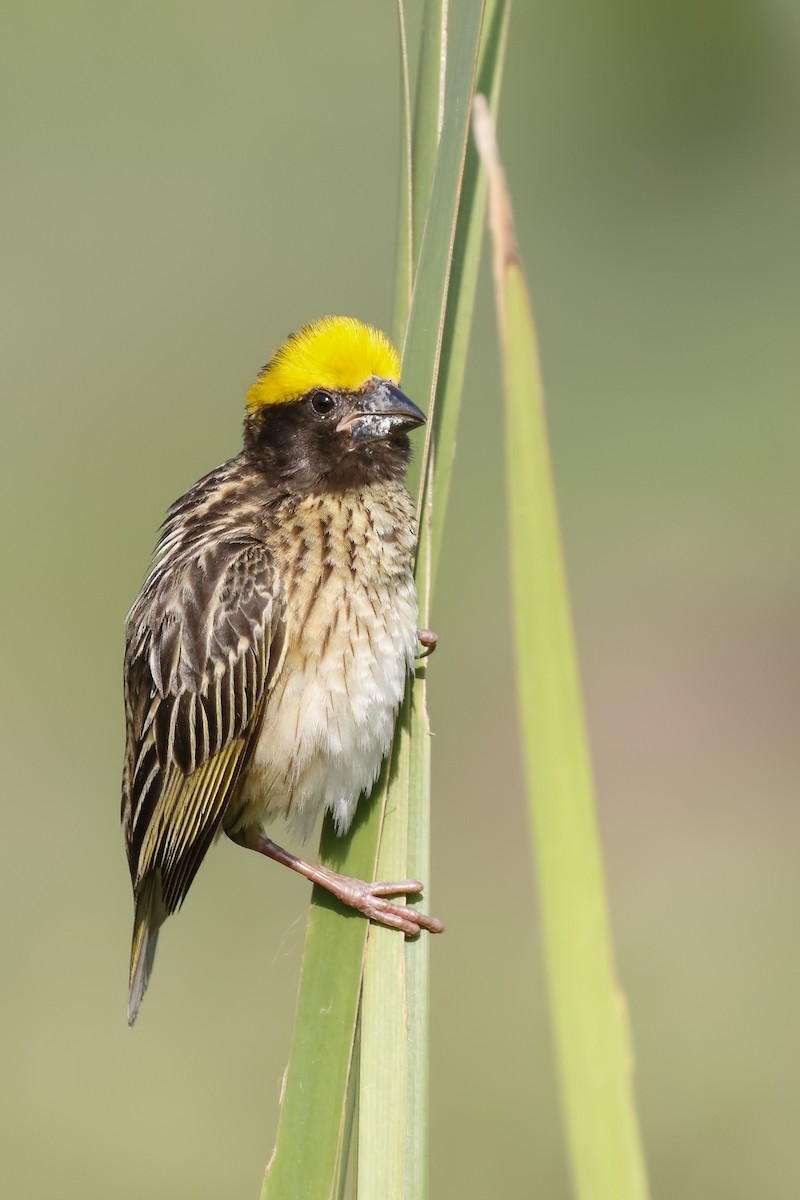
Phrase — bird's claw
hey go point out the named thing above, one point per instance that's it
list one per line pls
(372, 899)
(428, 639)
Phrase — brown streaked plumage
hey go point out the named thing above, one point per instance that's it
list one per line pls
(268, 650)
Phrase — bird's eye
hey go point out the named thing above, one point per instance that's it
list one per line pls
(322, 403)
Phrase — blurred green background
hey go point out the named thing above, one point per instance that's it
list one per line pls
(184, 183)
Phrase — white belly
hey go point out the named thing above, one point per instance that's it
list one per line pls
(329, 718)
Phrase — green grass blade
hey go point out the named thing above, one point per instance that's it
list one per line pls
(593, 1048)
(310, 1157)
(464, 276)
(417, 956)
(383, 1061)
(393, 1135)
(428, 116)
(404, 257)
(433, 502)
(422, 347)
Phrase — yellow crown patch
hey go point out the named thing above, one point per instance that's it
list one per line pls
(339, 353)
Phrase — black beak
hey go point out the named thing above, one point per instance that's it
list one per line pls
(382, 412)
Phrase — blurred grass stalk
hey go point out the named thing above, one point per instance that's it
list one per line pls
(594, 1054)
(438, 244)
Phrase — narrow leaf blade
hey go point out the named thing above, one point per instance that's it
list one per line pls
(393, 1142)
(592, 1039)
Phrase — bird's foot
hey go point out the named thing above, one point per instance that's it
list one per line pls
(428, 639)
(371, 899)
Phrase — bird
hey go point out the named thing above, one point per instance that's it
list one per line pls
(268, 651)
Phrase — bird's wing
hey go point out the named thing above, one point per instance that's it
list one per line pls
(204, 640)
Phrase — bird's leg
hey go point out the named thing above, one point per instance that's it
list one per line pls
(369, 898)
(428, 639)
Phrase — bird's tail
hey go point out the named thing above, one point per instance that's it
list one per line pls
(148, 919)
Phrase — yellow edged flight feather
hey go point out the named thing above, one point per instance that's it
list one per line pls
(334, 353)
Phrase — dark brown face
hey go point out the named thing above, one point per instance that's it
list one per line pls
(334, 440)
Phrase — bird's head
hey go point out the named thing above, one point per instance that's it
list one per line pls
(327, 409)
